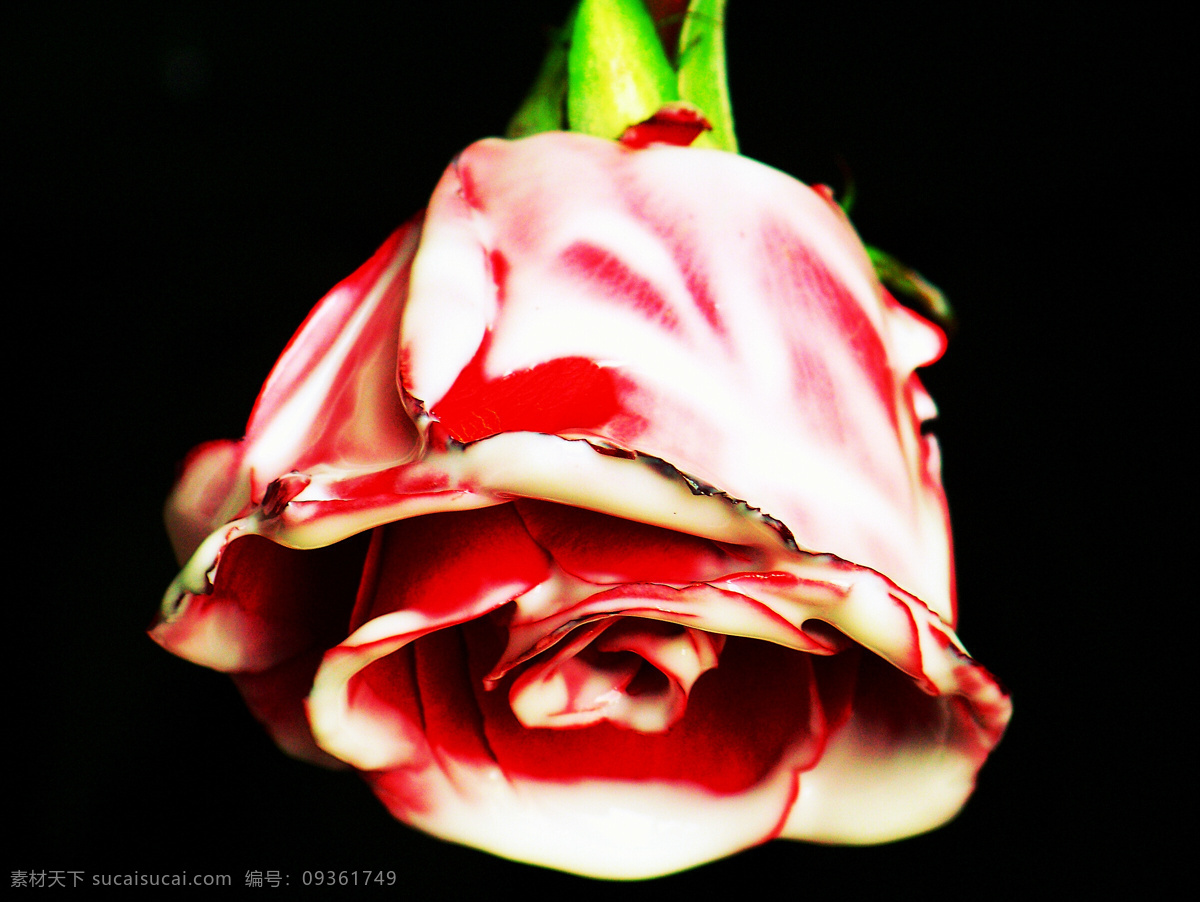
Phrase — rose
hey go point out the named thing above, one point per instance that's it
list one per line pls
(593, 521)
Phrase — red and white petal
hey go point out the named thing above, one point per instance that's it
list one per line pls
(330, 405)
(737, 332)
(421, 694)
(582, 326)
(331, 401)
(212, 489)
(276, 699)
(259, 603)
(421, 576)
(629, 671)
(522, 464)
(247, 629)
(905, 762)
(598, 828)
(596, 800)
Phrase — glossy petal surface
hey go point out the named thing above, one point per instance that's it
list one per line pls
(593, 522)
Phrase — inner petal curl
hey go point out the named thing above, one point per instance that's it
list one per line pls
(632, 672)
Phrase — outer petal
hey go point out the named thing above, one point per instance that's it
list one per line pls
(254, 607)
(695, 306)
(570, 286)
(330, 402)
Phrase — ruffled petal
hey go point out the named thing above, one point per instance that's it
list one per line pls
(332, 402)
(833, 670)
(265, 604)
(628, 671)
(330, 405)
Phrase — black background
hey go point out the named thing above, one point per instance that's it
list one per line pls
(191, 178)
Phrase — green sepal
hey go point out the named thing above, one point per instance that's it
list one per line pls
(544, 108)
(703, 79)
(618, 72)
(906, 281)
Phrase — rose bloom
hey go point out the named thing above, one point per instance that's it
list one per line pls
(593, 521)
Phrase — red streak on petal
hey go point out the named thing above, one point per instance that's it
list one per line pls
(671, 229)
(793, 794)
(825, 193)
(423, 692)
(387, 484)
(912, 662)
(499, 268)
(453, 724)
(597, 265)
(701, 295)
(837, 678)
(829, 300)
(563, 395)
